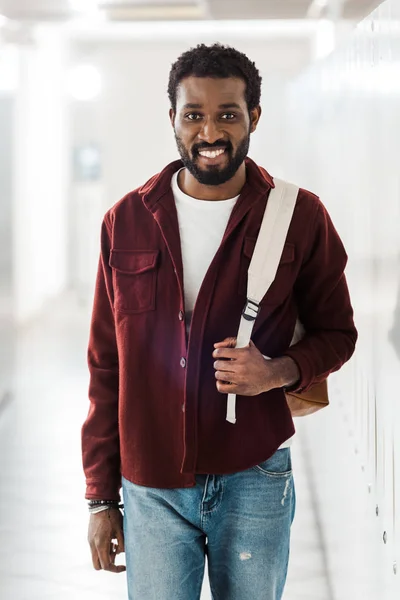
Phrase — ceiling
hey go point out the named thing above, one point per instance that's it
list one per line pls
(139, 10)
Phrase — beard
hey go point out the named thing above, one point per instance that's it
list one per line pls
(213, 174)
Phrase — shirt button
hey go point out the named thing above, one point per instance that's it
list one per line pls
(181, 315)
(183, 362)
(183, 408)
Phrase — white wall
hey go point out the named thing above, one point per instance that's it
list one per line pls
(343, 143)
(6, 329)
(6, 120)
(40, 173)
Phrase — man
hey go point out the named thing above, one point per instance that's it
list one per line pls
(170, 290)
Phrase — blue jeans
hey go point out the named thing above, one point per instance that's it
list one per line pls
(240, 521)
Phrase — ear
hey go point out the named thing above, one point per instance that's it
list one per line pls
(172, 117)
(255, 115)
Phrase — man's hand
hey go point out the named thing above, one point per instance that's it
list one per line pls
(244, 371)
(105, 528)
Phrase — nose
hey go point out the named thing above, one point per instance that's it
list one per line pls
(210, 131)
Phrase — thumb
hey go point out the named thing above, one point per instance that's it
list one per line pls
(252, 345)
(229, 342)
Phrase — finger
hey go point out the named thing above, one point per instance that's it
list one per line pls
(106, 561)
(104, 557)
(223, 365)
(227, 343)
(251, 344)
(226, 388)
(121, 541)
(112, 568)
(95, 559)
(229, 378)
(227, 352)
(120, 569)
(116, 568)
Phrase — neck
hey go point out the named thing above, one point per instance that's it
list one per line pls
(190, 186)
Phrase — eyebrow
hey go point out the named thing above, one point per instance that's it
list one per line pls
(230, 105)
(226, 105)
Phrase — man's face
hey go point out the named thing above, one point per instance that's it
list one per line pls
(212, 127)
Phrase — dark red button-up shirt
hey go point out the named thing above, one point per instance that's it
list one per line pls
(155, 415)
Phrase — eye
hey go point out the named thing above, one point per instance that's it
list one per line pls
(228, 116)
(192, 116)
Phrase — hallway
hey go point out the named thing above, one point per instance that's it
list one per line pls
(43, 512)
(84, 119)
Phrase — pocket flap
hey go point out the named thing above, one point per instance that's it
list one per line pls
(287, 254)
(133, 262)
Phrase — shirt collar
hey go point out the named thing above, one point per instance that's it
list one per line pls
(153, 190)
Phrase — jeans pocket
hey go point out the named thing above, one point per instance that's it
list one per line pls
(277, 465)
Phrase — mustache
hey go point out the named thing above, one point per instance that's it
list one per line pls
(198, 147)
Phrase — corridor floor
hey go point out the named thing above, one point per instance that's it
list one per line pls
(43, 516)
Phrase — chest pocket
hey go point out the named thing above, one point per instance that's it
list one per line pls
(284, 279)
(134, 280)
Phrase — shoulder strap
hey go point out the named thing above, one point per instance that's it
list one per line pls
(265, 261)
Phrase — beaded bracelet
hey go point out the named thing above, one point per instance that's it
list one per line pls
(102, 502)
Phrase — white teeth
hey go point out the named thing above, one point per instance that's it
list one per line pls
(211, 154)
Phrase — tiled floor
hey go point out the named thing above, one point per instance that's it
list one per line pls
(43, 517)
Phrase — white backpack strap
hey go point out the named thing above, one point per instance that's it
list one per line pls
(264, 263)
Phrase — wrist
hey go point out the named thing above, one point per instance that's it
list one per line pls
(286, 372)
(101, 509)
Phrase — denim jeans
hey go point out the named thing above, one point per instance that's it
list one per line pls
(240, 521)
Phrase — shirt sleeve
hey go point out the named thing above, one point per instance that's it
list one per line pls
(100, 434)
(324, 306)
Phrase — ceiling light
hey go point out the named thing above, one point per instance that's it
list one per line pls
(85, 6)
(208, 30)
(316, 8)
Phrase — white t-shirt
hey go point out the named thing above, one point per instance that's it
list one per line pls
(202, 225)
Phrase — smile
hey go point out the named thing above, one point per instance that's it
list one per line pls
(211, 153)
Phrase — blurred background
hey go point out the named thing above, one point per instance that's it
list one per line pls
(84, 120)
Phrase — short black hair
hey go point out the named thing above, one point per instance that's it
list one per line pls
(217, 61)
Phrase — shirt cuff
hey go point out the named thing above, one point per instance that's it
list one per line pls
(96, 490)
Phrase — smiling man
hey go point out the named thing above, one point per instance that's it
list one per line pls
(170, 290)
(213, 164)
